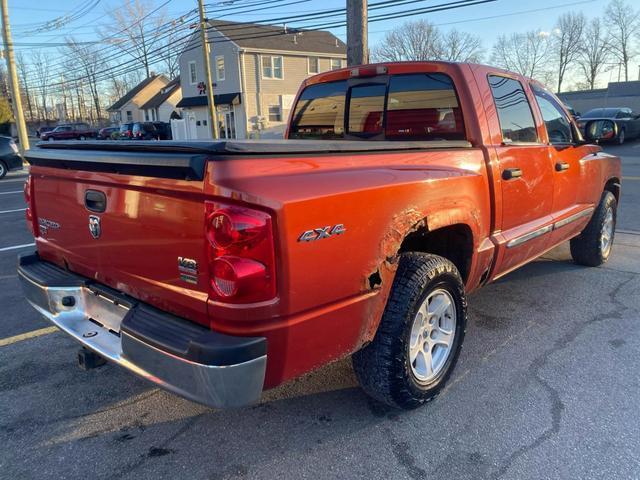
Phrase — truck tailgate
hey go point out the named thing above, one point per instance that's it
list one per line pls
(134, 223)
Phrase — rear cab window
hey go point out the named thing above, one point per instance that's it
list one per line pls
(420, 106)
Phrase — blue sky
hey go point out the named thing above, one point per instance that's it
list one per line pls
(26, 13)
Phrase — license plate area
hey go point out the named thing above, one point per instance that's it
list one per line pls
(105, 309)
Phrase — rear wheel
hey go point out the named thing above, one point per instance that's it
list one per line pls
(593, 246)
(621, 137)
(50, 139)
(82, 137)
(420, 334)
(3, 169)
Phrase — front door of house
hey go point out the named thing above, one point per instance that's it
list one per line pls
(228, 125)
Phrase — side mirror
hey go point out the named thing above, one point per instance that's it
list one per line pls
(596, 131)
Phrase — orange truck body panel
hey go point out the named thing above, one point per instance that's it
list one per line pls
(331, 293)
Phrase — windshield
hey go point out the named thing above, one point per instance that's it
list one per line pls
(400, 107)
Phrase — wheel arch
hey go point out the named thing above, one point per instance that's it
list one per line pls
(454, 242)
(613, 185)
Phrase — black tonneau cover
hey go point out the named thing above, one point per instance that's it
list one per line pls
(187, 159)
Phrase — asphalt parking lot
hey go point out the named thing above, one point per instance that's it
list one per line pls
(548, 386)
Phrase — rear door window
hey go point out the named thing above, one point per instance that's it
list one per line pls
(423, 107)
(514, 111)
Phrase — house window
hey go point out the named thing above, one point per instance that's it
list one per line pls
(193, 78)
(313, 65)
(220, 67)
(275, 113)
(129, 116)
(336, 63)
(272, 67)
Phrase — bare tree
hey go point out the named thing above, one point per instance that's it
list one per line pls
(524, 53)
(139, 25)
(624, 23)
(421, 40)
(594, 53)
(568, 42)
(41, 71)
(457, 46)
(169, 54)
(89, 59)
(418, 40)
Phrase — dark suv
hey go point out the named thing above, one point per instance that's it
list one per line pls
(125, 131)
(151, 131)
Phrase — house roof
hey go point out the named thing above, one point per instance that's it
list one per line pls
(127, 97)
(271, 37)
(201, 100)
(164, 93)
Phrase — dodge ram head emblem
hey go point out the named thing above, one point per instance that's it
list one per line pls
(323, 232)
(94, 226)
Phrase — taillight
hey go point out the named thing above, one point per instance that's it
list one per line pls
(27, 198)
(241, 254)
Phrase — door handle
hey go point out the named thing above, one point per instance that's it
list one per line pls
(95, 201)
(511, 173)
(562, 166)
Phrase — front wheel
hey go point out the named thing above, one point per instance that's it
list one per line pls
(420, 334)
(82, 137)
(621, 136)
(3, 169)
(593, 246)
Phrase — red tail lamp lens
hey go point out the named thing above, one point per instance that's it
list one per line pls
(241, 253)
(236, 227)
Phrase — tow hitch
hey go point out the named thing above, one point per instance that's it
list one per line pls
(88, 360)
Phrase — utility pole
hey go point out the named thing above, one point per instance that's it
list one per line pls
(357, 34)
(13, 78)
(207, 71)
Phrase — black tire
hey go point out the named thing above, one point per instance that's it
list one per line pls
(3, 169)
(382, 367)
(587, 248)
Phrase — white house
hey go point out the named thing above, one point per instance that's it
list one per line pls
(256, 70)
(162, 106)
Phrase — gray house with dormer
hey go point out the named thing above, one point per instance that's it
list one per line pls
(256, 70)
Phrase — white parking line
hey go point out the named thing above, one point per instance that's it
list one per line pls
(8, 193)
(13, 180)
(11, 211)
(15, 247)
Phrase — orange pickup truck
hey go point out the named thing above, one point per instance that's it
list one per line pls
(217, 269)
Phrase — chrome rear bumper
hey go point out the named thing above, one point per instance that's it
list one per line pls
(204, 366)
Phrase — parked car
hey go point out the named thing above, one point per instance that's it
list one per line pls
(42, 130)
(10, 158)
(69, 131)
(218, 269)
(126, 131)
(627, 122)
(151, 131)
(107, 133)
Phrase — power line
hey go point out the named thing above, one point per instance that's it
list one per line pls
(184, 40)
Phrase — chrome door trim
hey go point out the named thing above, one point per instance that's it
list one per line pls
(573, 218)
(548, 228)
(529, 236)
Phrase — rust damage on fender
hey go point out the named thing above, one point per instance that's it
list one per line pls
(380, 275)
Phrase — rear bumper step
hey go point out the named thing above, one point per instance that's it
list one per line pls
(196, 363)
